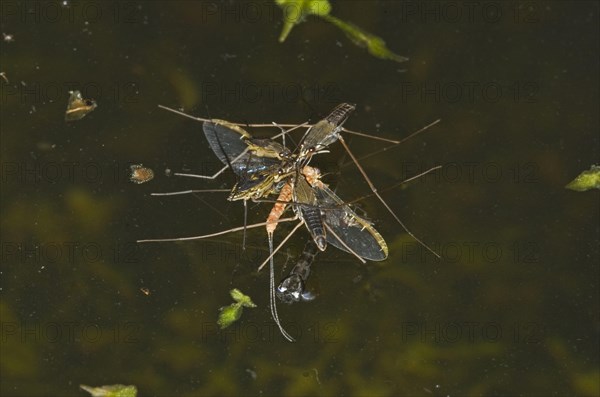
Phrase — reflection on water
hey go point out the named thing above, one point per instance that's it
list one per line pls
(510, 309)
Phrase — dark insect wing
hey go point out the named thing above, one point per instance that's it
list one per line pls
(355, 232)
(249, 164)
(225, 139)
(231, 142)
(253, 184)
(339, 115)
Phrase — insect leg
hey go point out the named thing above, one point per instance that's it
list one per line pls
(374, 190)
(235, 229)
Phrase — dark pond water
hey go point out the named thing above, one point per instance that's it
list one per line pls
(512, 306)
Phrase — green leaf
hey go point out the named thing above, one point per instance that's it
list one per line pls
(374, 44)
(295, 11)
(242, 299)
(232, 313)
(229, 315)
(318, 7)
(587, 180)
(111, 391)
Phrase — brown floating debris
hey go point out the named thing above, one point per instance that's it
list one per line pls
(145, 291)
(78, 107)
(141, 174)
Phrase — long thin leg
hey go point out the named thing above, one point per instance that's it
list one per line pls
(214, 176)
(182, 114)
(375, 137)
(245, 224)
(292, 126)
(283, 132)
(191, 191)
(235, 229)
(203, 176)
(385, 189)
(385, 149)
(374, 190)
(412, 178)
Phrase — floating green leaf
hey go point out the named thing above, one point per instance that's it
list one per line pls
(111, 391)
(587, 180)
(232, 313)
(229, 315)
(242, 299)
(295, 11)
(374, 44)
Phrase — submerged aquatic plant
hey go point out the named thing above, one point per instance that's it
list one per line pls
(589, 179)
(232, 313)
(111, 390)
(295, 12)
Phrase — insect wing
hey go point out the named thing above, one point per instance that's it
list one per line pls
(253, 185)
(355, 232)
(225, 139)
(339, 115)
(326, 131)
(234, 146)
(268, 148)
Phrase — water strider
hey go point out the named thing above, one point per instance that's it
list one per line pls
(264, 167)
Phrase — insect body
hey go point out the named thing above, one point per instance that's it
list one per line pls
(344, 228)
(264, 167)
(292, 288)
(308, 211)
(256, 162)
(325, 132)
